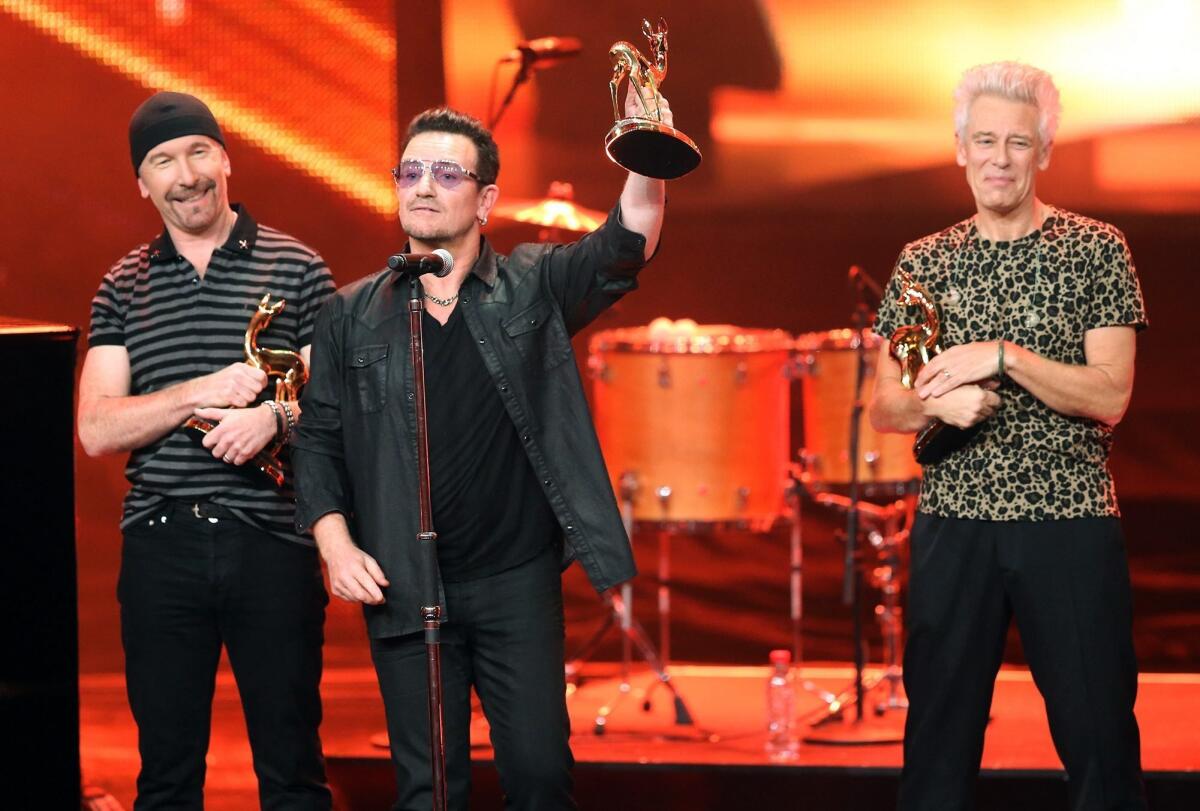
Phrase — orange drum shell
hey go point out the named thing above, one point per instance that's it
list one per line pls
(827, 363)
(710, 425)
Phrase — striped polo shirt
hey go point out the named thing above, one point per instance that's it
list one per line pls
(177, 326)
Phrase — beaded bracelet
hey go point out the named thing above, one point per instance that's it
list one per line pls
(291, 419)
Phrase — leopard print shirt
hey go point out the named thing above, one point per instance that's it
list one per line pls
(1042, 292)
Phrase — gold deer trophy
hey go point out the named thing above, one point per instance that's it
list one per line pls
(912, 346)
(644, 144)
(285, 366)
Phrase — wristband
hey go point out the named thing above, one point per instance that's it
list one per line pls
(274, 406)
(1000, 358)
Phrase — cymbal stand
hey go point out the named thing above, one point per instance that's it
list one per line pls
(632, 634)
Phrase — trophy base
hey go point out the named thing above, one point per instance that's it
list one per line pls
(263, 461)
(651, 148)
(938, 440)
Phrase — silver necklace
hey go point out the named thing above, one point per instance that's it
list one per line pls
(445, 302)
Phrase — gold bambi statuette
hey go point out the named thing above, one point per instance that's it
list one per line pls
(913, 346)
(644, 144)
(285, 366)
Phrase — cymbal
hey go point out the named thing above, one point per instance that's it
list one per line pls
(556, 210)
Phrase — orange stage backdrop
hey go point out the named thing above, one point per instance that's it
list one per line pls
(827, 139)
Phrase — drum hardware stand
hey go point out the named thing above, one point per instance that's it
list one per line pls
(632, 633)
(886, 536)
(857, 730)
(795, 499)
(664, 578)
(886, 578)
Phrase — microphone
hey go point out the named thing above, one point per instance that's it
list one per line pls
(544, 50)
(439, 263)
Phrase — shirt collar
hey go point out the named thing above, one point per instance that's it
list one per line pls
(241, 238)
(485, 265)
(1047, 228)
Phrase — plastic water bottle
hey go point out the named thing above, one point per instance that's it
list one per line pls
(781, 706)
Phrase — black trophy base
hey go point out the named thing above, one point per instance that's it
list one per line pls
(937, 440)
(651, 148)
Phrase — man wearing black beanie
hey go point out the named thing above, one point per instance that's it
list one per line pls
(210, 555)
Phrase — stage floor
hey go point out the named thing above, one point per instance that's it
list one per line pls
(710, 764)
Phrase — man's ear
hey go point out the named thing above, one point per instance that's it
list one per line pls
(960, 151)
(487, 199)
(1044, 157)
(145, 192)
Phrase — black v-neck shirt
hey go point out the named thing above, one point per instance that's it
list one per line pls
(489, 510)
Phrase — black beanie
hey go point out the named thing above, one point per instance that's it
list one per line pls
(167, 115)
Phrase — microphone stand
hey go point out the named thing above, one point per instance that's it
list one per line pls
(522, 76)
(431, 611)
(857, 731)
(851, 587)
(547, 50)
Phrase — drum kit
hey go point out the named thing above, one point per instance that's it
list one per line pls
(707, 448)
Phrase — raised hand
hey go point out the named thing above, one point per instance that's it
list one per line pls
(633, 107)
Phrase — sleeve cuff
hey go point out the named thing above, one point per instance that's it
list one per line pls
(629, 247)
(309, 511)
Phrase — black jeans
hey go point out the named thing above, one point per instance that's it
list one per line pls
(1067, 584)
(188, 585)
(505, 637)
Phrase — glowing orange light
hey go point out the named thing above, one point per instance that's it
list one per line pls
(877, 73)
(310, 144)
(1148, 161)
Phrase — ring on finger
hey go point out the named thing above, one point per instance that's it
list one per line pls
(946, 373)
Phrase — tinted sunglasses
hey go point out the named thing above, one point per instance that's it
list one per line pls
(448, 174)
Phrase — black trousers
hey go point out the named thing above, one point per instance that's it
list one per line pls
(1067, 584)
(188, 585)
(505, 638)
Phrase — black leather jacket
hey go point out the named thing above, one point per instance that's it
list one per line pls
(355, 450)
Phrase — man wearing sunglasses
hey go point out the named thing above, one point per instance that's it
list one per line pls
(519, 488)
